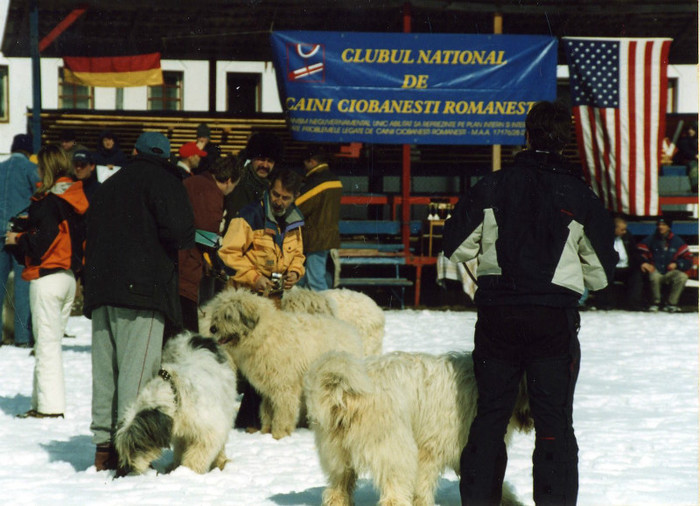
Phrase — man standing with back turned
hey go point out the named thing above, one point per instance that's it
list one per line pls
(540, 236)
(138, 220)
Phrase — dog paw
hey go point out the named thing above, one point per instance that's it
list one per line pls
(279, 434)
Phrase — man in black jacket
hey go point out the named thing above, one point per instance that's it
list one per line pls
(138, 220)
(540, 236)
(319, 202)
(628, 270)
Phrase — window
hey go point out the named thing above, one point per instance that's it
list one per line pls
(4, 94)
(74, 96)
(168, 96)
(243, 93)
(672, 105)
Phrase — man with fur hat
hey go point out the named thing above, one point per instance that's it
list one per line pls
(666, 257)
(18, 179)
(264, 150)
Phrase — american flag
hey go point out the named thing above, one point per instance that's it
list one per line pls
(619, 95)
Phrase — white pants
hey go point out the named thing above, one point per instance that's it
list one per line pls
(51, 299)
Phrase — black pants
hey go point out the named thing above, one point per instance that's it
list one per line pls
(249, 412)
(542, 343)
(632, 279)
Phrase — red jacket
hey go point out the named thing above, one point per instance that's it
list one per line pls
(208, 206)
(56, 231)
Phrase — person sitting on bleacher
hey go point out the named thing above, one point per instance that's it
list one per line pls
(688, 154)
(666, 258)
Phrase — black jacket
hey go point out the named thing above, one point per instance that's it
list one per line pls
(319, 202)
(138, 220)
(539, 232)
(250, 189)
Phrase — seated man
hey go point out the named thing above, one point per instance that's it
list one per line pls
(264, 250)
(666, 257)
(628, 270)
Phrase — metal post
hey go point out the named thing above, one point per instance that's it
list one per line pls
(406, 166)
(36, 74)
(496, 148)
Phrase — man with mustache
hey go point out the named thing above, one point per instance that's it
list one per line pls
(263, 250)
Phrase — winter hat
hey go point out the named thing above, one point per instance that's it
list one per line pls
(191, 149)
(82, 156)
(67, 135)
(264, 145)
(667, 221)
(153, 143)
(22, 142)
(203, 130)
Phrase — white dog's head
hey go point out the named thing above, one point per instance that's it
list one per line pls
(235, 313)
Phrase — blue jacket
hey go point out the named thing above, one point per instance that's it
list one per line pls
(662, 251)
(538, 231)
(18, 179)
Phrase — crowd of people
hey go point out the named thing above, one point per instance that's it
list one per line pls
(151, 240)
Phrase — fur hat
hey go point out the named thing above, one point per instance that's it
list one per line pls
(264, 145)
(203, 130)
(22, 142)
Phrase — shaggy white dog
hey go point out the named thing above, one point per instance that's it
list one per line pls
(352, 307)
(402, 417)
(190, 404)
(273, 349)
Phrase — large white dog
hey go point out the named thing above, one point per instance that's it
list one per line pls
(352, 307)
(273, 349)
(402, 417)
(190, 404)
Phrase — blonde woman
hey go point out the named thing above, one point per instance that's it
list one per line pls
(52, 250)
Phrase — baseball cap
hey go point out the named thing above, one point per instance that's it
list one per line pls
(191, 149)
(82, 156)
(153, 143)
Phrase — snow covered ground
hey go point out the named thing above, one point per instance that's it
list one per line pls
(636, 418)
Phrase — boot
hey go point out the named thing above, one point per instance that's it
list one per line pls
(106, 458)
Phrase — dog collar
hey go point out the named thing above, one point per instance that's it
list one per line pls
(169, 378)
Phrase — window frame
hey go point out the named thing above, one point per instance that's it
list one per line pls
(164, 100)
(73, 96)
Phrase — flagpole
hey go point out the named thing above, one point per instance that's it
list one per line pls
(36, 74)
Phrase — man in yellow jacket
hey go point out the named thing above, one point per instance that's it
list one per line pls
(264, 251)
(263, 244)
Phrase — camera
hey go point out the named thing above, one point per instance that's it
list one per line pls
(18, 224)
(277, 282)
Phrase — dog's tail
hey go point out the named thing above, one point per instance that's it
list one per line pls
(335, 386)
(522, 416)
(148, 424)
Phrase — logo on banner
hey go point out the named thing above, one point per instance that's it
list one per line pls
(306, 63)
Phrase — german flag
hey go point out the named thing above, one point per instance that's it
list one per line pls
(113, 71)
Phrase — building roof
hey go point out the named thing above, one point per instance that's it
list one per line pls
(239, 29)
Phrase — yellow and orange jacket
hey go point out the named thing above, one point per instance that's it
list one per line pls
(56, 231)
(256, 245)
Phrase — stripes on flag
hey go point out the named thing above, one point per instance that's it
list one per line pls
(619, 95)
(113, 71)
